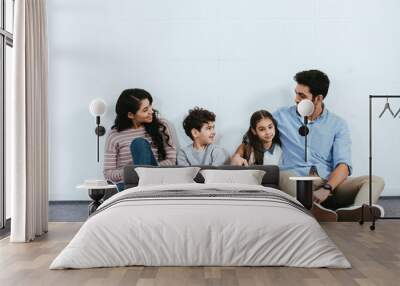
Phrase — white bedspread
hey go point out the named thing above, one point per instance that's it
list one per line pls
(200, 231)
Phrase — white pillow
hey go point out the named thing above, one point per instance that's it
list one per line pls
(248, 177)
(166, 176)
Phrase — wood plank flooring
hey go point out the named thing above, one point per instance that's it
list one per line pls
(375, 257)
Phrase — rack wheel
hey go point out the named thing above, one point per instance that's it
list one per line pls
(372, 227)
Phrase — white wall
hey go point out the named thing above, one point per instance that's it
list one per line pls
(232, 57)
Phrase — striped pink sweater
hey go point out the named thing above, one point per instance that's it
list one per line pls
(117, 152)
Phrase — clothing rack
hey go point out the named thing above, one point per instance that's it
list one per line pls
(371, 97)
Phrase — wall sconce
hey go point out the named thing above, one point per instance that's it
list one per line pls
(97, 108)
(305, 108)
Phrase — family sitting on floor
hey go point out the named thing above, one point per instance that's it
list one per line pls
(139, 136)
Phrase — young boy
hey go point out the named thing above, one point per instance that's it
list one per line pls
(199, 125)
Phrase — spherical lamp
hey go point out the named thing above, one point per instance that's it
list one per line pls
(97, 108)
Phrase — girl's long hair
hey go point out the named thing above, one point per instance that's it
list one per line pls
(253, 143)
(129, 101)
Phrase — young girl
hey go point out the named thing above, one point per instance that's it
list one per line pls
(138, 136)
(261, 144)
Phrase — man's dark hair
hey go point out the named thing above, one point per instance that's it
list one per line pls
(196, 118)
(316, 80)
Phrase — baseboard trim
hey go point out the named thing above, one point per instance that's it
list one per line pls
(69, 202)
(389, 197)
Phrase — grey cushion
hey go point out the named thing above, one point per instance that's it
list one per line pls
(270, 179)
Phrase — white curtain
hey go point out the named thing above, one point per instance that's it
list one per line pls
(28, 115)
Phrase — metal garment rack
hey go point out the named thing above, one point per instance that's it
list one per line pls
(371, 97)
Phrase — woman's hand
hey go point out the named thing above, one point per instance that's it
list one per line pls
(236, 160)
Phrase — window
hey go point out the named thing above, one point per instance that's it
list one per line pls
(9, 19)
(6, 44)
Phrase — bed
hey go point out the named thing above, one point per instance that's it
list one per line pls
(198, 224)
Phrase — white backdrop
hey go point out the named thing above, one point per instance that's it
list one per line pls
(233, 57)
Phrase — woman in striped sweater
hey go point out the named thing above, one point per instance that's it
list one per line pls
(138, 136)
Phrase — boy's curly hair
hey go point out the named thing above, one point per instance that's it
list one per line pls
(196, 118)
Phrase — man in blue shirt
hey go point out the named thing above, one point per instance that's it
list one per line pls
(329, 153)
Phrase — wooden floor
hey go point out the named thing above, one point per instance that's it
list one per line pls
(374, 255)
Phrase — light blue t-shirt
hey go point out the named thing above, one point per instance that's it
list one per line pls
(272, 156)
(328, 142)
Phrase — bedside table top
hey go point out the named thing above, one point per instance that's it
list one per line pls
(93, 187)
(306, 178)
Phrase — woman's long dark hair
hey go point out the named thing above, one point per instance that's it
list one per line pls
(253, 143)
(129, 101)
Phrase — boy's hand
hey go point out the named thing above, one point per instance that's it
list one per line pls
(239, 161)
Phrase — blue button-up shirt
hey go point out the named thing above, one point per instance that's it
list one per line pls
(328, 142)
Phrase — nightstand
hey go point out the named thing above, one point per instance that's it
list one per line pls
(96, 193)
(304, 191)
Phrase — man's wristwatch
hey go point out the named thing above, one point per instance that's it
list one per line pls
(328, 187)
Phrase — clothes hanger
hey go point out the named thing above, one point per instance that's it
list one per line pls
(387, 107)
(397, 113)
